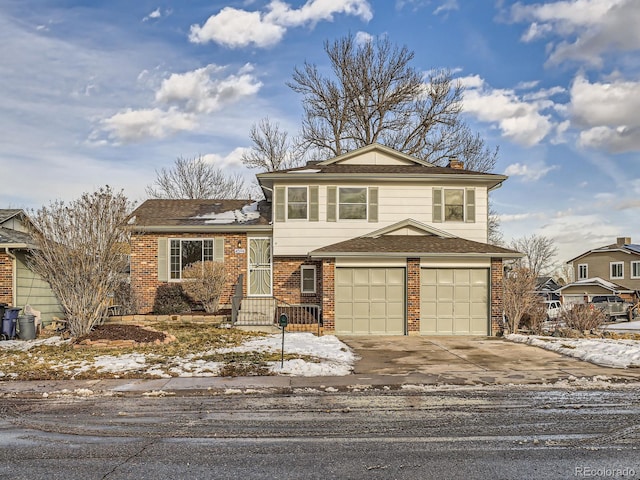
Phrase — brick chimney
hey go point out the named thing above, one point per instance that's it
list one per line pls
(455, 163)
(621, 241)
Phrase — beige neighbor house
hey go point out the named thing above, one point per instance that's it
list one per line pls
(19, 286)
(610, 270)
(377, 241)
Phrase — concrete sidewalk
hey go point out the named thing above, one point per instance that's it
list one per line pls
(385, 363)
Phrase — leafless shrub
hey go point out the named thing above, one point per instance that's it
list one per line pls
(81, 250)
(519, 296)
(534, 318)
(203, 282)
(583, 317)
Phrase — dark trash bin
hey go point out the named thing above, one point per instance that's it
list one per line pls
(26, 327)
(9, 320)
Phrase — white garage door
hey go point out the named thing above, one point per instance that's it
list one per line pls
(454, 301)
(370, 301)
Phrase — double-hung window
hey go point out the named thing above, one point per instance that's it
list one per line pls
(308, 279)
(635, 269)
(297, 203)
(184, 252)
(583, 271)
(454, 205)
(617, 270)
(352, 203)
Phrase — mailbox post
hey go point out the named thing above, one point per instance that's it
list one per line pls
(283, 321)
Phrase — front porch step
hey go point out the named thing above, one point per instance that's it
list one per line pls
(256, 311)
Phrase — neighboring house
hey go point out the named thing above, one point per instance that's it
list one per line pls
(381, 242)
(19, 286)
(618, 263)
(583, 291)
(546, 287)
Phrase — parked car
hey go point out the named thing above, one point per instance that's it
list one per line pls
(612, 305)
(554, 309)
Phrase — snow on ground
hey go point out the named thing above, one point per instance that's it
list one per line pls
(623, 326)
(601, 351)
(328, 356)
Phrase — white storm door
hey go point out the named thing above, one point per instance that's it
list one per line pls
(259, 267)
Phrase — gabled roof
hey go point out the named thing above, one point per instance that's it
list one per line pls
(410, 238)
(596, 282)
(630, 248)
(546, 283)
(9, 213)
(406, 168)
(199, 215)
(10, 238)
(375, 147)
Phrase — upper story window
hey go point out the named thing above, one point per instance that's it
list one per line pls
(635, 269)
(454, 205)
(617, 270)
(352, 203)
(583, 271)
(297, 203)
(184, 252)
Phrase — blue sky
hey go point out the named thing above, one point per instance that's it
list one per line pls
(97, 93)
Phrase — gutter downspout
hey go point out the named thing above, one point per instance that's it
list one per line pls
(14, 272)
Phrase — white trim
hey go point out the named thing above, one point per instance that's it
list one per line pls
(169, 255)
(315, 278)
(611, 264)
(631, 267)
(586, 275)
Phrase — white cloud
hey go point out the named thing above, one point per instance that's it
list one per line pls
(516, 217)
(153, 15)
(529, 173)
(446, 7)
(201, 92)
(519, 120)
(610, 113)
(236, 28)
(232, 160)
(185, 98)
(363, 37)
(588, 29)
(134, 125)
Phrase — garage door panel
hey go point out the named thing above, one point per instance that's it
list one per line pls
(376, 303)
(454, 301)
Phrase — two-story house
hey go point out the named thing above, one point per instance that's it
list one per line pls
(381, 242)
(617, 266)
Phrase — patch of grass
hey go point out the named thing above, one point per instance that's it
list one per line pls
(193, 340)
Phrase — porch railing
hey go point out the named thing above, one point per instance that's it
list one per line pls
(255, 311)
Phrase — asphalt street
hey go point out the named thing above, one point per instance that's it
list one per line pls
(493, 432)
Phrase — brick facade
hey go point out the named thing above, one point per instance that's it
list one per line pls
(287, 280)
(329, 295)
(144, 264)
(413, 296)
(6, 278)
(497, 306)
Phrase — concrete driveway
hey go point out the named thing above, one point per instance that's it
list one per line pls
(463, 360)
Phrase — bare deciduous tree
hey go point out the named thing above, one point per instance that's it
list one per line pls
(519, 298)
(376, 96)
(195, 178)
(494, 233)
(204, 283)
(272, 149)
(80, 249)
(539, 252)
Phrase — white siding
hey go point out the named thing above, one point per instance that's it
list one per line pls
(397, 202)
(376, 158)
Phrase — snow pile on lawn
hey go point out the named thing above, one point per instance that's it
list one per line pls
(623, 326)
(24, 345)
(600, 351)
(334, 358)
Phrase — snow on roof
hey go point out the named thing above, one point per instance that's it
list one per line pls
(306, 170)
(596, 281)
(247, 213)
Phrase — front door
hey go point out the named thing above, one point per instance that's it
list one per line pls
(259, 267)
